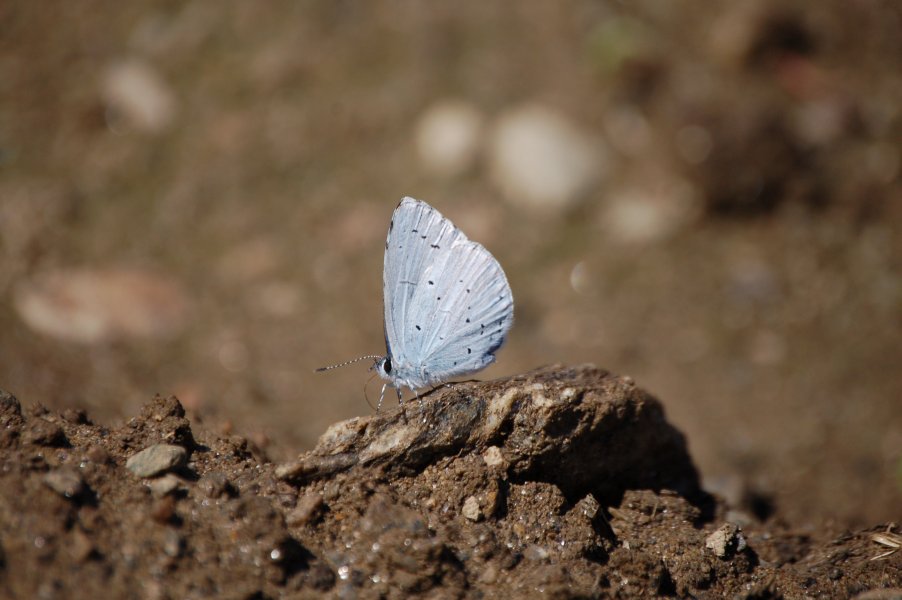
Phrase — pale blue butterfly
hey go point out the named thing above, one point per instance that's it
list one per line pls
(448, 305)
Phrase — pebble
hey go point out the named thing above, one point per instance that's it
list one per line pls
(65, 481)
(726, 541)
(471, 509)
(448, 136)
(541, 161)
(164, 485)
(97, 305)
(651, 211)
(156, 460)
(308, 508)
(493, 457)
(588, 506)
(136, 91)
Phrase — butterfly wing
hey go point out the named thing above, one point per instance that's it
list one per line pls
(448, 305)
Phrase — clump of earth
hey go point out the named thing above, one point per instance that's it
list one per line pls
(563, 482)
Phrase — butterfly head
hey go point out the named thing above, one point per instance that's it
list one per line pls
(383, 367)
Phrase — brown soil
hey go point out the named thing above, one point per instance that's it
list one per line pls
(561, 483)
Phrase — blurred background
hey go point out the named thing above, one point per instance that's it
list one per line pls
(706, 197)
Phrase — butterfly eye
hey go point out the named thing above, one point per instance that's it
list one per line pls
(386, 365)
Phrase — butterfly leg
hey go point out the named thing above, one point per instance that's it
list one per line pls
(381, 397)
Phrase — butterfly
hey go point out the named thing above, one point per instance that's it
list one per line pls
(447, 304)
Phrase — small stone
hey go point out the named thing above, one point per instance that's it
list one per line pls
(136, 91)
(164, 485)
(471, 509)
(493, 499)
(289, 470)
(542, 161)
(588, 506)
(156, 460)
(91, 306)
(493, 457)
(65, 481)
(216, 485)
(45, 433)
(307, 510)
(726, 541)
(448, 137)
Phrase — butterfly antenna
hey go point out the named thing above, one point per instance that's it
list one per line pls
(348, 362)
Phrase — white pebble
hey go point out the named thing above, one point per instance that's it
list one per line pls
(541, 161)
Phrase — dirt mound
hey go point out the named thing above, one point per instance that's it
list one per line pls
(565, 482)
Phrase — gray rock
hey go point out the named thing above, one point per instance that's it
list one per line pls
(157, 459)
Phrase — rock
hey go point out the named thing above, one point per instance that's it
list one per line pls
(308, 508)
(165, 485)
(471, 509)
(589, 507)
(726, 541)
(66, 482)
(157, 459)
(549, 425)
(652, 210)
(134, 90)
(92, 306)
(448, 136)
(493, 457)
(541, 161)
